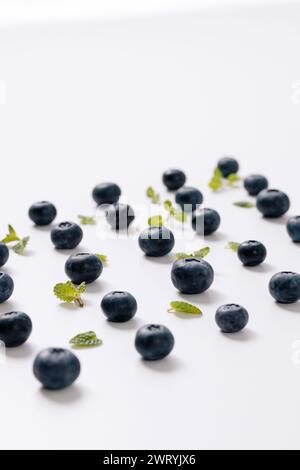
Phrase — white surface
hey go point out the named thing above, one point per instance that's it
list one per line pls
(30, 11)
(123, 101)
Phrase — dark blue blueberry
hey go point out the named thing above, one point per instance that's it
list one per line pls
(119, 306)
(83, 267)
(254, 184)
(252, 253)
(42, 213)
(56, 368)
(15, 328)
(154, 342)
(66, 235)
(173, 179)
(192, 276)
(206, 221)
(228, 166)
(4, 254)
(106, 193)
(285, 287)
(156, 241)
(189, 198)
(272, 203)
(119, 216)
(293, 228)
(231, 318)
(6, 286)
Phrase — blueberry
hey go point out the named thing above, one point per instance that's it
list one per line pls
(231, 318)
(83, 267)
(189, 198)
(206, 221)
(119, 216)
(106, 193)
(252, 253)
(173, 179)
(154, 342)
(15, 328)
(254, 184)
(6, 287)
(56, 368)
(272, 203)
(192, 276)
(228, 166)
(66, 235)
(285, 287)
(293, 228)
(42, 213)
(4, 254)
(119, 306)
(156, 241)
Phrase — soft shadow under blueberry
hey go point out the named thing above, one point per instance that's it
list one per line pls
(66, 396)
(208, 297)
(261, 268)
(43, 228)
(168, 364)
(293, 308)
(242, 336)
(132, 324)
(97, 286)
(277, 220)
(9, 306)
(170, 258)
(20, 352)
(216, 237)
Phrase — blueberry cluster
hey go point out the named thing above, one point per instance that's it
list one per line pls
(57, 368)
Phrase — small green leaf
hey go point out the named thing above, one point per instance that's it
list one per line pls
(154, 196)
(168, 204)
(21, 245)
(85, 340)
(216, 181)
(202, 252)
(180, 216)
(184, 307)
(244, 204)
(68, 292)
(177, 213)
(11, 236)
(232, 246)
(232, 179)
(196, 254)
(103, 259)
(86, 220)
(155, 221)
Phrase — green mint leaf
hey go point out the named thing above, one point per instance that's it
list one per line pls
(184, 307)
(68, 292)
(85, 340)
(155, 221)
(196, 254)
(244, 204)
(216, 181)
(154, 196)
(85, 220)
(182, 256)
(103, 259)
(177, 213)
(20, 246)
(232, 179)
(11, 236)
(202, 252)
(180, 216)
(168, 204)
(232, 246)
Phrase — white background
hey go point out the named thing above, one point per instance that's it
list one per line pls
(123, 100)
